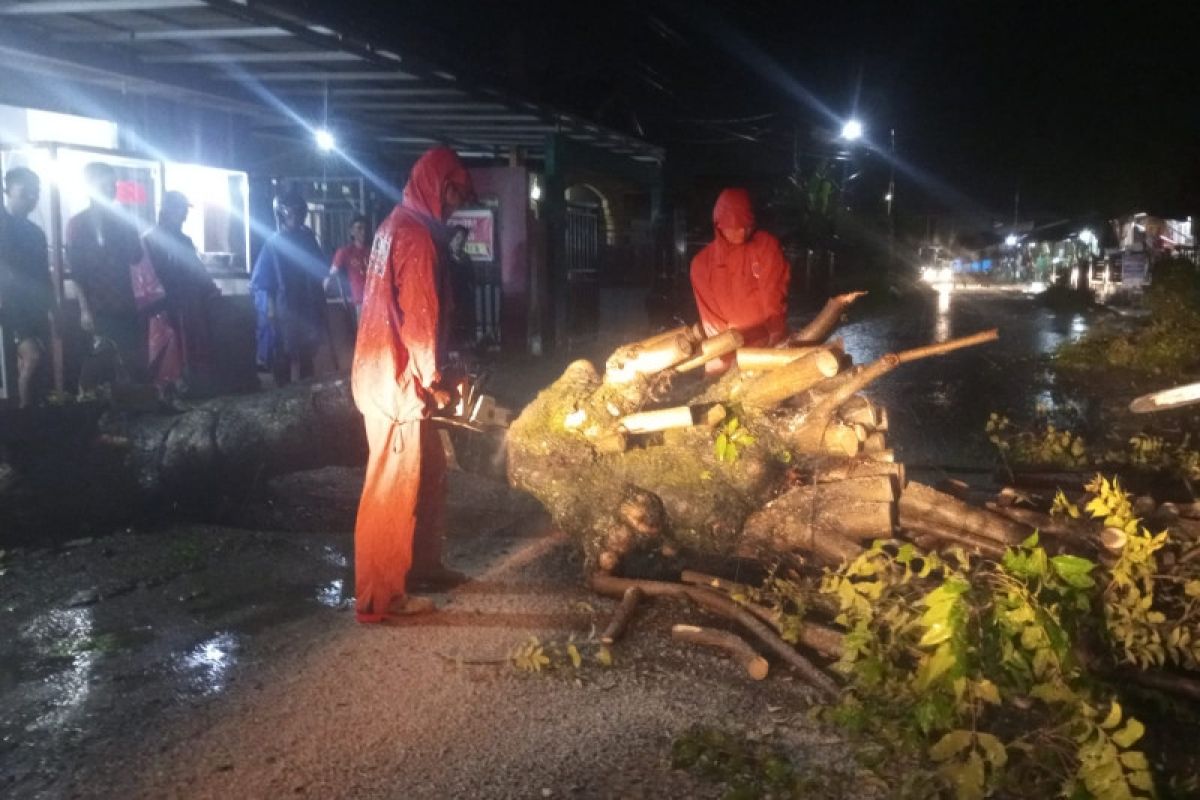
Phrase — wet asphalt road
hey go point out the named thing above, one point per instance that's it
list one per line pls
(204, 661)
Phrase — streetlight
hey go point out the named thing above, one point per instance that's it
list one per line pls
(852, 130)
(325, 140)
(1010, 240)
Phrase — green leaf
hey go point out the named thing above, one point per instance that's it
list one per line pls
(573, 652)
(966, 777)
(722, 446)
(1134, 760)
(1127, 736)
(1074, 570)
(993, 750)
(1031, 542)
(935, 666)
(986, 691)
(1114, 717)
(950, 745)
(1142, 780)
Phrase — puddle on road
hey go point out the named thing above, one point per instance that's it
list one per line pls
(65, 651)
(207, 665)
(331, 594)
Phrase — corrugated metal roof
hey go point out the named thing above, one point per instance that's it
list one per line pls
(251, 57)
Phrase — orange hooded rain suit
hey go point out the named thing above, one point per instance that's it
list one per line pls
(394, 374)
(742, 286)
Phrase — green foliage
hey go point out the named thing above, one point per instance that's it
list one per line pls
(529, 656)
(1044, 446)
(974, 666)
(1151, 618)
(731, 439)
(534, 655)
(1169, 343)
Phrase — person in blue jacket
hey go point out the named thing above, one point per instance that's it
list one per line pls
(288, 293)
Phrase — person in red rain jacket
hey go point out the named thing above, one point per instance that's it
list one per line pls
(741, 279)
(395, 382)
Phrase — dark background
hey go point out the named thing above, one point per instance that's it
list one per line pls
(1087, 108)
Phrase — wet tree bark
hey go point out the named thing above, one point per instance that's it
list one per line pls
(78, 468)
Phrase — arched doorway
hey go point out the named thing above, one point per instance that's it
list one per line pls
(587, 232)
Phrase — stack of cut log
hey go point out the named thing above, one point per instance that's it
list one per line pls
(782, 459)
(781, 455)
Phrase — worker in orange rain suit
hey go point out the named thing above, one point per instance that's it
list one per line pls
(396, 386)
(741, 279)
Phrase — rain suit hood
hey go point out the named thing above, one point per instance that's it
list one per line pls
(430, 176)
(733, 210)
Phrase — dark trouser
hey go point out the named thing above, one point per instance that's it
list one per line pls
(128, 333)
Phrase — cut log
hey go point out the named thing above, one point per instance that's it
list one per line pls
(755, 665)
(659, 420)
(934, 538)
(843, 469)
(647, 357)
(772, 388)
(818, 330)
(861, 411)
(723, 606)
(863, 488)
(621, 617)
(717, 346)
(925, 507)
(763, 359)
(841, 440)
(875, 443)
(1061, 526)
(886, 456)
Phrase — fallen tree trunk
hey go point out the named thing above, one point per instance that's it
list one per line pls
(924, 507)
(120, 466)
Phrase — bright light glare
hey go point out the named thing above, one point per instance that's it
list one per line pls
(535, 191)
(887, 198)
(325, 140)
(852, 130)
(1086, 236)
(1011, 240)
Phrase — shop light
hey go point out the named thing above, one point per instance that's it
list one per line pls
(325, 140)
(535, 191)
(1010, 240)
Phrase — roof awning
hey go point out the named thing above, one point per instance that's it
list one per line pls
(278, 67)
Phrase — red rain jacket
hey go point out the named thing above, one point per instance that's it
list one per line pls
(741, 286)
(395, 358)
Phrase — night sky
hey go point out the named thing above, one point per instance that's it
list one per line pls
(1086, 107)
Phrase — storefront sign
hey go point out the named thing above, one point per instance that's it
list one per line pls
(481, 232)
